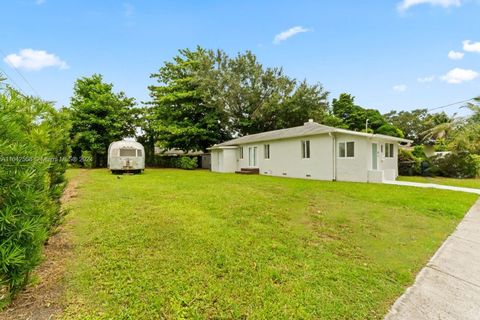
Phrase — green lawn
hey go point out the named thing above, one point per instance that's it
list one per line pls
(466, 183)
(194, 244)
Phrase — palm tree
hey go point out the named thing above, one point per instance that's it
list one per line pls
(442, 126)
(475, 108)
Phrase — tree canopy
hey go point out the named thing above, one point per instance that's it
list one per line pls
(99, 116)
(183, 113)
(355, 117)
(203, 97)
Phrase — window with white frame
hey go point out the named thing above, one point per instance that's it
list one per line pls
(266, 151)
(306, 149)
(389, 150)
(241, 153)
(346, 149)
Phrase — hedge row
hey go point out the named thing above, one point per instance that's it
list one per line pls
(181, 162)
(33, 158)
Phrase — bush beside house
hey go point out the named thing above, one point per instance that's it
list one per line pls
(454, 164)
(457, 165)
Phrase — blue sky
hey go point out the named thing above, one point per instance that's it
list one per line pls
(399, 54)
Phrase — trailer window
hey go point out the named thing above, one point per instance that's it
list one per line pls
(127, 153)
(139, 153)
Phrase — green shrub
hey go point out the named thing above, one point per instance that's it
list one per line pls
(457, 165)
(419, 152)
(405, 155)
(33, 159)
(408, 163)
(181, 162)
(415, 162)
(186, 163)
(162, 161)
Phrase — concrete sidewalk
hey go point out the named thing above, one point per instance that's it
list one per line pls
(432, 185)
(449, 286)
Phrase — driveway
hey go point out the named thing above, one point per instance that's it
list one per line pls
(449, 286)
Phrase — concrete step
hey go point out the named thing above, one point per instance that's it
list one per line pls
(248, 171)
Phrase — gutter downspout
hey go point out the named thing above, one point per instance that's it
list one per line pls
(334, 152)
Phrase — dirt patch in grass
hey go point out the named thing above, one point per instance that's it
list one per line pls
(43, 297)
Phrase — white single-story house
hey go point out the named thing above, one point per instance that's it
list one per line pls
(313, 151)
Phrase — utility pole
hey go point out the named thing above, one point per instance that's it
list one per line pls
(366, 125)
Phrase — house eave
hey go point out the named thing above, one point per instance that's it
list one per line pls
(215, 147)
(373, 135)
(348, 132)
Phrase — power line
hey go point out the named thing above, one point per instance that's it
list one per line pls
(18, 71)
(13, 82)
(451, 104)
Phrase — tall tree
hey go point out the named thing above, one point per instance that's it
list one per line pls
(413, 123)
(259, 99)
(306, 102)
(467, 135)
(440, 126)
(355, 117)
(205, 97)
(146, 123)
(184, 118)
(99, 116)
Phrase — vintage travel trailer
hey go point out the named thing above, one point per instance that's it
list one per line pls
(126, 156)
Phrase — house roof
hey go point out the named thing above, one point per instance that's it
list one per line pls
(308, 129)
(177, 152)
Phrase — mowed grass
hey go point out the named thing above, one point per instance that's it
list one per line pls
(199, 245)
(465, 183)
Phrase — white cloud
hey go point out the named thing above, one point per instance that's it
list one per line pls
(282, 36)
(455, 55)
(34, 60)
(471, 46)
(458, 75)
(400, 88)
(407, 4)
(426, 79)
(39, 2)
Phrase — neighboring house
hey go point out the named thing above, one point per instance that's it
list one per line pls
(202, 157)
(429, 150)
(312, 151)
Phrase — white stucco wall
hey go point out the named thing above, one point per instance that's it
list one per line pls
(389, 165)
(215, 166)
(224, 160)
(230, 160)
(286, 158)
(356, 168)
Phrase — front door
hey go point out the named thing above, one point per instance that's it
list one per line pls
(252, 157)
(374, 156)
